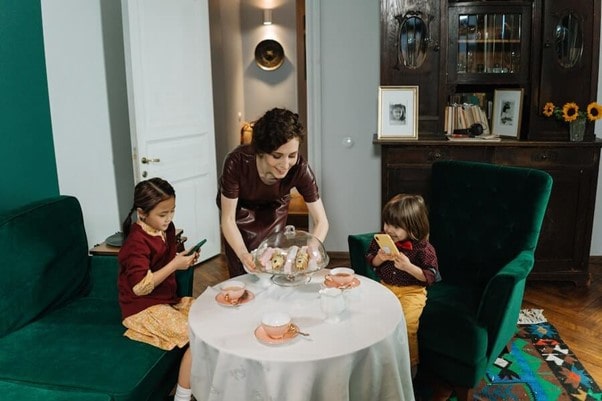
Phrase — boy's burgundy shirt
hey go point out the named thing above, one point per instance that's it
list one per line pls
(421, 254)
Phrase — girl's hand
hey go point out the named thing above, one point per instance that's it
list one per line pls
(183, 262)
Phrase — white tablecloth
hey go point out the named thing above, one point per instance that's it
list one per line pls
(363, 357)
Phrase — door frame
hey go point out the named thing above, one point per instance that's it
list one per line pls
(314, 84)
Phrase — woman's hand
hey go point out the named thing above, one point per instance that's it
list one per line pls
(248, 262)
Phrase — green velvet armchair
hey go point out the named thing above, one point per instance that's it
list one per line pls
(485, 223)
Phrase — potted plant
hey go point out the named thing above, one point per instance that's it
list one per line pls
(576, 118)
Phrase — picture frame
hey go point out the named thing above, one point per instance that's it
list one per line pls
(507, 112)
(397, 112)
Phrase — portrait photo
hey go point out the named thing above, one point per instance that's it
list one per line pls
(397, 112)
(507, 110)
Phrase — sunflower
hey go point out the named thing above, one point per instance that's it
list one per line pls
(570, 112)
(548, 109)
(594, 111)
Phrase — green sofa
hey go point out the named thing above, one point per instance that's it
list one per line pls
(61, 336)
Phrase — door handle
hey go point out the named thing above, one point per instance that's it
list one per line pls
(145, 160)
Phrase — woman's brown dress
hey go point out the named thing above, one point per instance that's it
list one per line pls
(262, 209)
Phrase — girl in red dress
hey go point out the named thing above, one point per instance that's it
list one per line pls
(151, 310)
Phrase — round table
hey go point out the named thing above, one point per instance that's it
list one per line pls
(363, 357)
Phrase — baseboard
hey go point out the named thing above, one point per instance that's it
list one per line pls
(338, 255)
(596, 260)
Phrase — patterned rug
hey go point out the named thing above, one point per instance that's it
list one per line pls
(538, 367)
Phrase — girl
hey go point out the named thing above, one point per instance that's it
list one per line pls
(408, 273)
(151, 310)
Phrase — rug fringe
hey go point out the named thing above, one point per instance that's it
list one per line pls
(531, 316)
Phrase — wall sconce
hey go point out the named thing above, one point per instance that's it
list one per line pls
(267, 17)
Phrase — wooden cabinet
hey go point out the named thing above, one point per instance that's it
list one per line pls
(563, 72)
(564, 244)
(459, 51)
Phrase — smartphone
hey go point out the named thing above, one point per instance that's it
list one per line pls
(196, 247)
(386, 243)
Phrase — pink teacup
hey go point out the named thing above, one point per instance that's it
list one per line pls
(232, 290)
(276, 324)
(342, 275)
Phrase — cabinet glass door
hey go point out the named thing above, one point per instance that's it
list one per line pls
(488, 42)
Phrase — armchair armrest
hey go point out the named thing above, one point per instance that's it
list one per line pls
(501, 301)
(103, 277)
(185, 280)
(358, 246)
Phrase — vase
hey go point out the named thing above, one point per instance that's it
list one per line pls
(577, 130)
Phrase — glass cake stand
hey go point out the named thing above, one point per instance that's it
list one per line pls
(290, 256)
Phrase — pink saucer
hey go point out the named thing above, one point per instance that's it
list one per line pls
(247, 297)
(330, 283)
(262, 336)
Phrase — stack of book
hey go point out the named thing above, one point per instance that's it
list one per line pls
(460, 117)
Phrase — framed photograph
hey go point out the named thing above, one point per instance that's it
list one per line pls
(397, 112)
(507, 111)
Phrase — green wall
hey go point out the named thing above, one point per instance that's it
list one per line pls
(27, 160)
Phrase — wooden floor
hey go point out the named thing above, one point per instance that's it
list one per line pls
(575, 312)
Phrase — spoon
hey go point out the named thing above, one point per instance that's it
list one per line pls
(295, 329)
(236, 302)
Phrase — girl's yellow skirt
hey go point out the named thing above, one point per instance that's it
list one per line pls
(163, 326)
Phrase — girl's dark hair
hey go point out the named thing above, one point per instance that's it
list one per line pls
(147, 194)
(410, 213)
(275, 128)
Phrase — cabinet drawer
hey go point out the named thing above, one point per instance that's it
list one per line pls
(430, 154)
(544, 157)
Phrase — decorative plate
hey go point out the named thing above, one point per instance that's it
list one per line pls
(269, 54)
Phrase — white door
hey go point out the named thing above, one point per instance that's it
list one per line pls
(171, 108)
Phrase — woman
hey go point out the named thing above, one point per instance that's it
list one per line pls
(255, 186)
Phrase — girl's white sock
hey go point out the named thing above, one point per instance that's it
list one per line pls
(182, 394)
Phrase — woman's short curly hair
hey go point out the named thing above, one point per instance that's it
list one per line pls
(275, 128)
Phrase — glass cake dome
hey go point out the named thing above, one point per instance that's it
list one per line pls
(290, 256)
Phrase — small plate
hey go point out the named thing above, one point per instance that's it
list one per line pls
(115, 239)
(247, 297)
(289, 336)
(330, 283)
